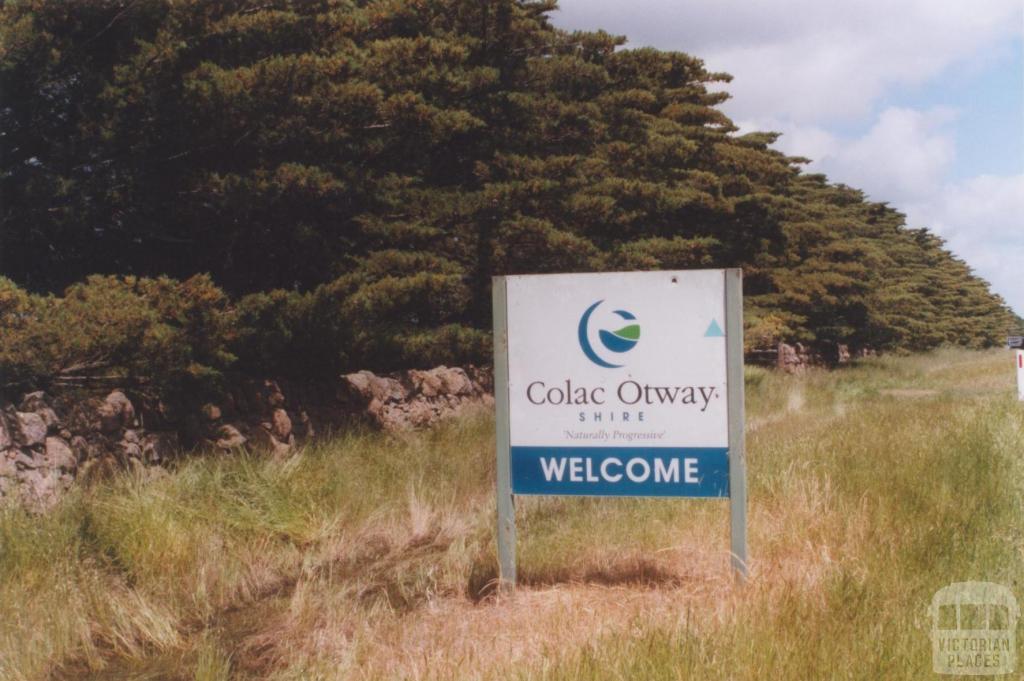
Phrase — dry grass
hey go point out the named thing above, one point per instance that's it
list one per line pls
(369, 557)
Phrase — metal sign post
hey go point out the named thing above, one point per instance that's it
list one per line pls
(506, 503)
(620, 384)
(737, 421)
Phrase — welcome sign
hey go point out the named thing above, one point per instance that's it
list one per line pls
(618, 384)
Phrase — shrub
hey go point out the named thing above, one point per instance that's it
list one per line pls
(173, 334)
(24, 348)
(274, 334)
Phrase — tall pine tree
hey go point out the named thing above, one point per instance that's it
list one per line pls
(379, 161)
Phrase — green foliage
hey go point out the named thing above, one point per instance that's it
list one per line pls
(273, 331)
(23, 338)
(183, 335)
(176, 334)
(364, 168)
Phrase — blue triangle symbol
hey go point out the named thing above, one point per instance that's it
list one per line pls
(714, 331)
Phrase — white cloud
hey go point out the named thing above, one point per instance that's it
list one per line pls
(982, 220)
(809, 60)
(903, 157)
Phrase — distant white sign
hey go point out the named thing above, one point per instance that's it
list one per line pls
(1020, 374)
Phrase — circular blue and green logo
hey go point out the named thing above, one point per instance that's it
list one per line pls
(618, 341)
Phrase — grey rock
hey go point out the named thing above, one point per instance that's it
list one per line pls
(83, 449)
(110, 418)
(116, 412)
(282, 450)
(306, 425)
(427, 383)
(456, 381)
(364, 386)
(420, 414)
(261, 438)
(50, 418)
(59, 454)
(281, 425)
(482, 377)
(229, 437)
(32, 429)
(28, 461)
(211, 412)
(842, 353)
(6, 440)
(37, 403)
(40, 489)
(129, 450)
(32, 401)
(274, 396)
(159, 447)
(7, 467)
(789, 358)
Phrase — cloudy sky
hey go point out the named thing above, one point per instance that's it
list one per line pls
(920, 103)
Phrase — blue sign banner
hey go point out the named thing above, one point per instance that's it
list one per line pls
(621, 471)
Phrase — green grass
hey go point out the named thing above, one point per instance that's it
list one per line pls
(371, 556)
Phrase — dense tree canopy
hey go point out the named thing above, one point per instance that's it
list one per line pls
(359, 170)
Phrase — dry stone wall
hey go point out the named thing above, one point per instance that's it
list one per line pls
(49, 441)
(797, 358)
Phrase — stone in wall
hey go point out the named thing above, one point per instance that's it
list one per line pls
(797, 357)
(158, 448)
(253, 414)
(6, 439)
(31, 429)
(788, 359)
(842, 353)
(413, 399)
(35, 402)
(37, 464)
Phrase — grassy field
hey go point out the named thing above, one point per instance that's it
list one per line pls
(372, 557)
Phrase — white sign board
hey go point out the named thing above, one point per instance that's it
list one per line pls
(618, 384)
(618, 366)
(1020, 374)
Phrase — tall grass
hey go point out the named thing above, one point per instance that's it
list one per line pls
(371, 556)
